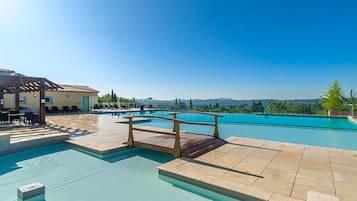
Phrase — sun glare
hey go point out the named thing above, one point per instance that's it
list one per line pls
(9, 11)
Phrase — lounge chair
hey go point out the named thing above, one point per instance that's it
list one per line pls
(75, 109)
(12, 118)
(4, 117)
(54, 109)
(66, 109)
(32, 118)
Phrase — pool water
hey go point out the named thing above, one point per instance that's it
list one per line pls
(69, 174)
(318, 131)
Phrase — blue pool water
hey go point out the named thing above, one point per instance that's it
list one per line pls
(72, 175)
(319, 131)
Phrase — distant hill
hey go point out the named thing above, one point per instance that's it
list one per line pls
(226, 101)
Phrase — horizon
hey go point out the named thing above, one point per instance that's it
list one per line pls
(193, 49)
(223, 98)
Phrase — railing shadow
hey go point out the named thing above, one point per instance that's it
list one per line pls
(73, 132)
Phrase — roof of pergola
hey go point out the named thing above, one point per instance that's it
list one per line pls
(13, 82)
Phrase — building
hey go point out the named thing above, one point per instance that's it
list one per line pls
(83, 97)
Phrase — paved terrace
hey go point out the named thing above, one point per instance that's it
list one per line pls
(270, 170)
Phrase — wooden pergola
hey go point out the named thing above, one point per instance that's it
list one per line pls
(11, 82)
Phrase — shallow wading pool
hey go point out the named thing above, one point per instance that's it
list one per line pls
(69, 174)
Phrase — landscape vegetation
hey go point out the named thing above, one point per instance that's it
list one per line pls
(334, 100)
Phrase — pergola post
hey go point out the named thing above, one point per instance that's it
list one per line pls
(17, 99)
(1, 98)
(42, 102)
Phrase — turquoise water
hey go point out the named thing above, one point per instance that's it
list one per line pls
(317, 131)
(72, 175)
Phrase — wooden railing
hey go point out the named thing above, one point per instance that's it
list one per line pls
(176, 130)
(216, 116)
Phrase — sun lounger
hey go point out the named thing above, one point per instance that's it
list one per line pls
(4, 117)
(66, 109)
(54, 109)
(75, 109)
(32, 118)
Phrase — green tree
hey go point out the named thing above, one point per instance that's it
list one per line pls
(353, 102)
(257, 106)
(104, 98)
(191, 106)
(112, 96)
(123, 100)
(115, 98)
(332, 99)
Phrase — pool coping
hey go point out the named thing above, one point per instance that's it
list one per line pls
(216, 188)
(352, 119)
(96, 152)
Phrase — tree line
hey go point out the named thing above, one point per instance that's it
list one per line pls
(334, 100)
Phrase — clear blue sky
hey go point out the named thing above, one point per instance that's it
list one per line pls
(185, 48)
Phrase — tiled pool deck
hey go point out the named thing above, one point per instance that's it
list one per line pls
(283, 171)
(244, 167)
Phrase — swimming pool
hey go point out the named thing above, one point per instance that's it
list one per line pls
(319, 131)
(69, 174)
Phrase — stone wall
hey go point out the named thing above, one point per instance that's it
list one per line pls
(342, 113)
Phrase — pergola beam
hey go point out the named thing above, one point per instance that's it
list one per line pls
(16, 83)
(42, 102)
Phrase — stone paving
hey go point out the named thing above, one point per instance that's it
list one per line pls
(104, 134)
(272, 171)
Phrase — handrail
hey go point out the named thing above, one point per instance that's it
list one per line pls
(153, 116)
(196, 112)
(198, 123)
(176, 129)
(176, 132)
(172, 119)
(216, 132)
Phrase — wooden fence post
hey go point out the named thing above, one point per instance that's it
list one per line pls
(130, 136)
(177, 146)
(174, 128)
(216, 132)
